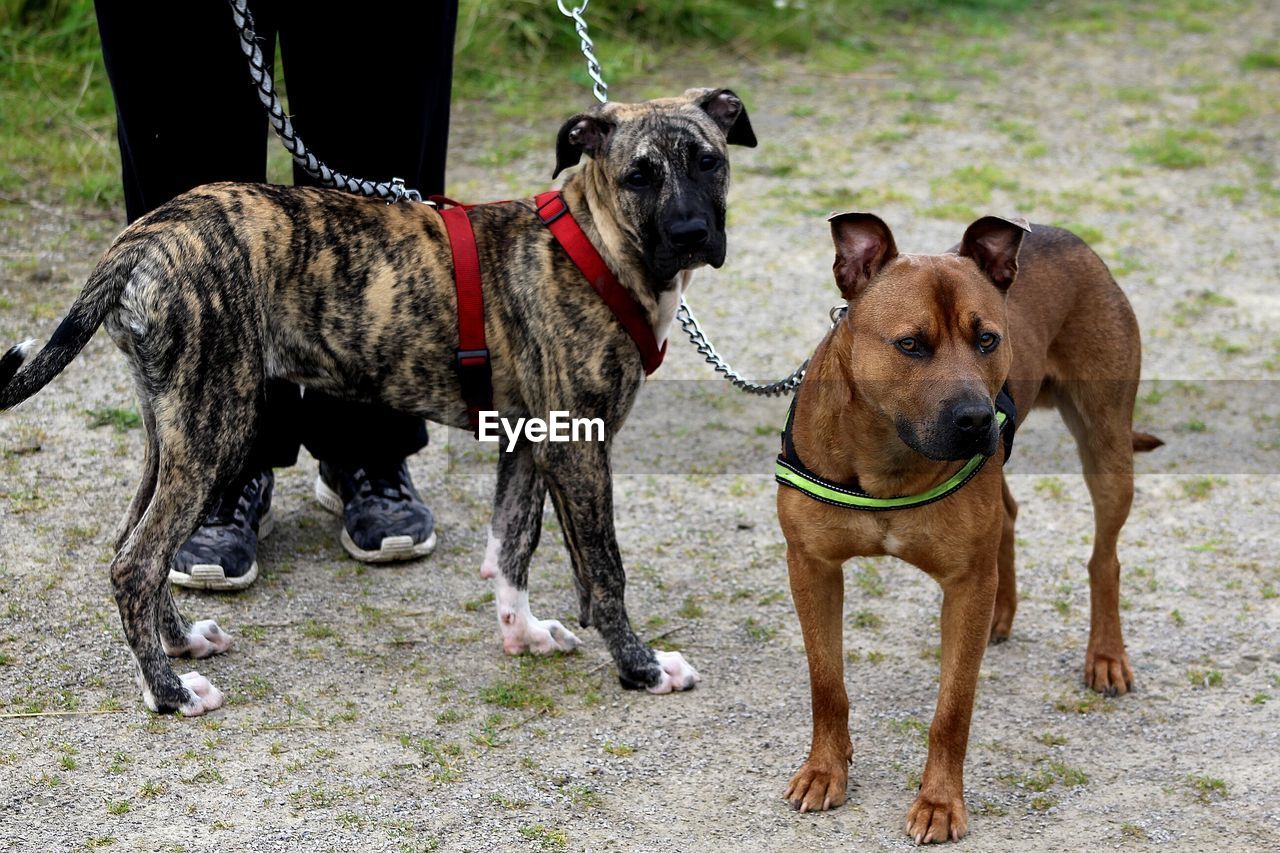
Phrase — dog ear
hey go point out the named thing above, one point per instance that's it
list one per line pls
(993, 242)
(864, 244)
(728, 112)
(584, 133)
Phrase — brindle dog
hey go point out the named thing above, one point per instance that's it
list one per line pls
(232, 284)
(900, 391)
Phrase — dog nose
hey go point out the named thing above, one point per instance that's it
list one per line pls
(690, 234)
(972, 418)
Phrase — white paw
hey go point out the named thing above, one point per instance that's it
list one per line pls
(677, 674)
(539, 636)
(521, 631)
(204, 696)
(204, 639)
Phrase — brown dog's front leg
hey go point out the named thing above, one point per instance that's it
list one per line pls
(939, 813)
(817, 589)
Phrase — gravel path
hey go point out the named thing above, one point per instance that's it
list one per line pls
(374, 709)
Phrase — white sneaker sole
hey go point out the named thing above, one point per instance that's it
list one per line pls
(394, 548)
(211, 576)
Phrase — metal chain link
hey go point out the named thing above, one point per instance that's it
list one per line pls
(390, 191)
(600, 89)
(706, 349)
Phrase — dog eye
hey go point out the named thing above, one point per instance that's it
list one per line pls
(988, 341)
(910, 346)
(708, 162)
(637, 180)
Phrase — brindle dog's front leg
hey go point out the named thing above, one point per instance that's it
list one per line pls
(580, 480)
(939, 813)
(513, 537)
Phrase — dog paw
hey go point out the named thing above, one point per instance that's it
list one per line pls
(521, 631)
(204, 639)
(677, 674)
(818, 786)
(204, 697)
(931, 820)
(1108, 674)
(537, 636)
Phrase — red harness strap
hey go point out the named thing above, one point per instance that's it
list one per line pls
(475, 373)
(555, 214)
(471, 356)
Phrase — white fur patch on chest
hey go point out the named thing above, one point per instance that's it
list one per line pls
(669, 303)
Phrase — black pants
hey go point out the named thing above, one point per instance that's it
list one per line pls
(369, 94)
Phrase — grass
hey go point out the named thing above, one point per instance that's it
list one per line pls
(1199, 488)
(516, 695)
(1261, 60)
(1176, 149)
(545, 838)
(122, 420)
(520, 56)
(1207, 789)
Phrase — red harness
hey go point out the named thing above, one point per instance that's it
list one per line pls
(472, 356)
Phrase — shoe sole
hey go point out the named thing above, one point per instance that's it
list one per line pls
(212, 577)
(394, 548)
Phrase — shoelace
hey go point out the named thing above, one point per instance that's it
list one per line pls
(386, 483)
(228, 511)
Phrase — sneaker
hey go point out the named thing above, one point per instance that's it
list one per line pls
(222, 554)
(383, 518)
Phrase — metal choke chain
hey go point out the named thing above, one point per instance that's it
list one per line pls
(389, 191)
(600, 89)
(707, 350)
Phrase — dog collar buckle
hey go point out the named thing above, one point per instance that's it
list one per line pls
(475, 375)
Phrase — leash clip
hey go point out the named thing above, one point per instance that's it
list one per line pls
(400, 193)
(837, 313)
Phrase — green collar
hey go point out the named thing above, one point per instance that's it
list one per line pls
(790, 471)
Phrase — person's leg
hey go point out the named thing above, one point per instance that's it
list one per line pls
(187, 115)
(377, 116)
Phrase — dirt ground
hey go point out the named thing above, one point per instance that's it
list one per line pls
(374, 708)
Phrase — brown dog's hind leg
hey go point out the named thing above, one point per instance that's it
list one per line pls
(1007, 591)
(817, 590)
(939, 813)
(1100, 418)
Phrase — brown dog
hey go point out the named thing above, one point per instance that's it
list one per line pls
(899, 400)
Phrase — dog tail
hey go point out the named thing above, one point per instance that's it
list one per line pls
(1142, 442)
(100, 294)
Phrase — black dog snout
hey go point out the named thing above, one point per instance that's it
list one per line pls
(972, 418)
(690, 233)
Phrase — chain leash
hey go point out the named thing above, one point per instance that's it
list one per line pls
(708, 351)
(599, 88)
(390, 191)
